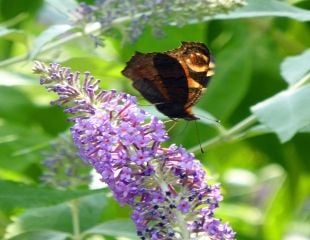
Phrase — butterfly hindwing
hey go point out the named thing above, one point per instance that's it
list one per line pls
(174, 82)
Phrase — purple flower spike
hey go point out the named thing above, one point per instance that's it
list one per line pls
(166, 187)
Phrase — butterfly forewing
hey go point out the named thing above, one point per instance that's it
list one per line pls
(140, 69)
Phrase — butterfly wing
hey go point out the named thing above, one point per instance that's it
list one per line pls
(173, 80)
(140, 69)
(161, 80)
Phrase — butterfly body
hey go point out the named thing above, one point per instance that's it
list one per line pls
(174, 80)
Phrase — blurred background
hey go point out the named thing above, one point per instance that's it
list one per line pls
(265, 180)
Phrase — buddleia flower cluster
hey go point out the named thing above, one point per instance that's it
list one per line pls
(166, 187)
(63, 167)
(131, 17)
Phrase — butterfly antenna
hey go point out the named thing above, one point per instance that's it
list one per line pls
(199, 139)
(210, 119)
(173, 124)
(182, 131)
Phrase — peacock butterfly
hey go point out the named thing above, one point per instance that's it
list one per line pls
(174, 80)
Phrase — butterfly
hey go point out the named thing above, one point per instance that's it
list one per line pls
(174, 80)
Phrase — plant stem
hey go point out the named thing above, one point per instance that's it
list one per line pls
(234, 133)
(68, 38)
(301, 82)
(228, 135)
(74, 206)
(182, 225)
(47, 47)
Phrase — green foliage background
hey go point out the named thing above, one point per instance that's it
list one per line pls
(263, 168)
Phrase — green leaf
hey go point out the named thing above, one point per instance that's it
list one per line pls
(285, 113)
(115, 228)
(306, 129)
(39, 235)
(293, 69)
(64, 7)
(230, 83)
(19, 150)
(47, 36)
(59, 217)
(12, 78)
(266, 8)
(276, 200)
(14, 35)
(105, 70)
(17, 107)
(175, 35)
(17, 195)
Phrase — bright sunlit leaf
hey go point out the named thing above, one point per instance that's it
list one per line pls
(295, 68)
(47, 36)
(285, 113)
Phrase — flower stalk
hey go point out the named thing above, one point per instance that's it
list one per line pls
(74, 206)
